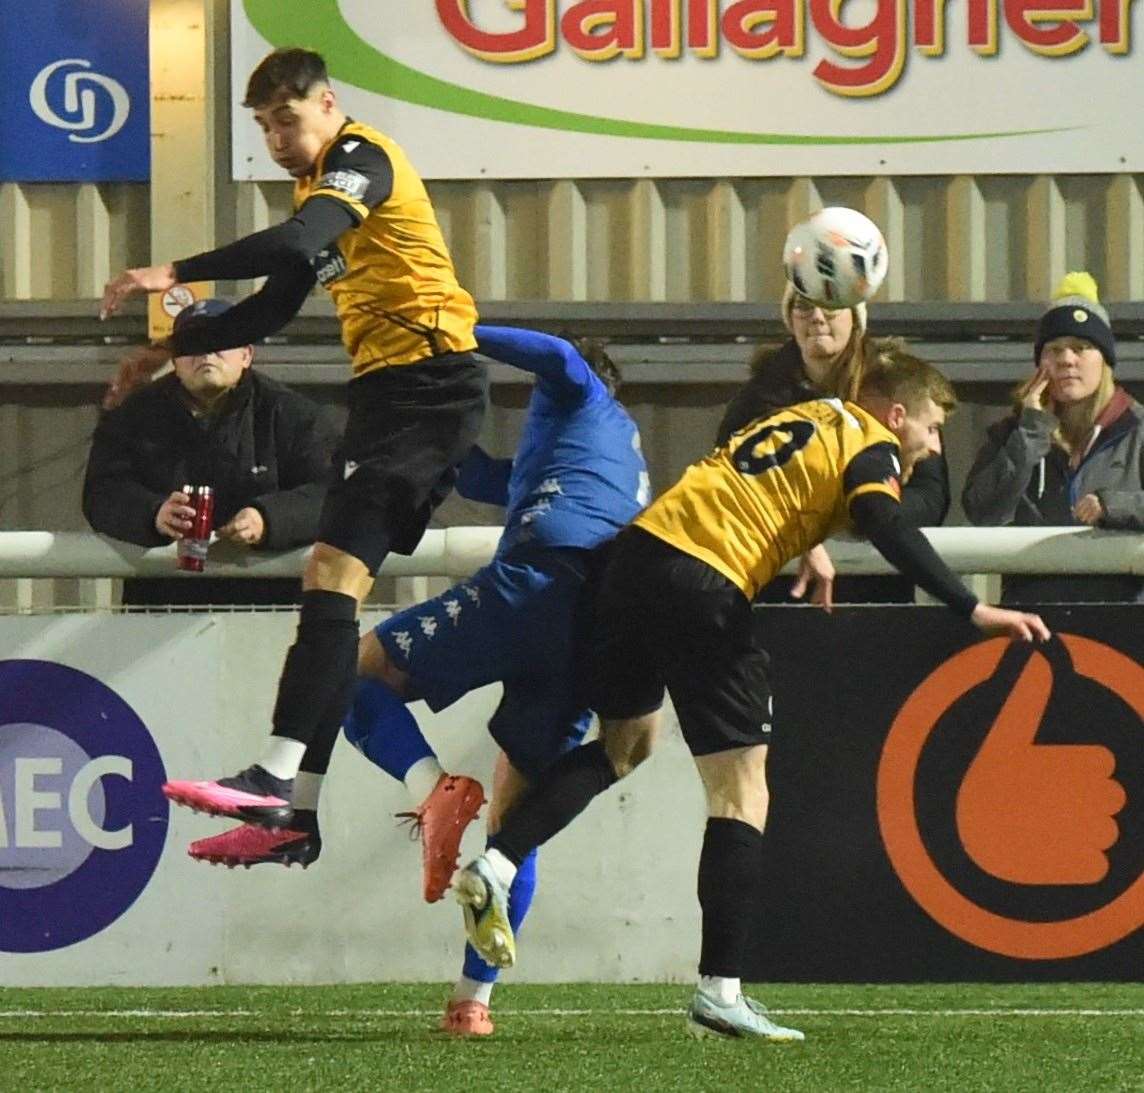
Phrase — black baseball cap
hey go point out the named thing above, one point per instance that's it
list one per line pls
(201, 309)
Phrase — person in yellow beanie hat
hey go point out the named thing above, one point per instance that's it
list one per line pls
(1071, 452)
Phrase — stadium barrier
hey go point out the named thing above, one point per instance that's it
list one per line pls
(899, 846)
(458, 551)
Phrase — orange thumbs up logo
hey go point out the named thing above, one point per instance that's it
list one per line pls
(1028, 811)
(1034, 813)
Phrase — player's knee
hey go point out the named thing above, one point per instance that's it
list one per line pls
(374, 663)
(628, 743)
(332, 570)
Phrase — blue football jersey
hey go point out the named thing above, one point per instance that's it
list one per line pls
(579, 474)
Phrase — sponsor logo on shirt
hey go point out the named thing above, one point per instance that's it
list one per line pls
(351, 183)
(329, 265)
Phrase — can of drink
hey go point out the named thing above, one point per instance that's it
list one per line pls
(192, 547)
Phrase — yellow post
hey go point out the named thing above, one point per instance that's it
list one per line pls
(183, 147)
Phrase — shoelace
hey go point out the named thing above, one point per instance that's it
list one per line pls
(414, 822)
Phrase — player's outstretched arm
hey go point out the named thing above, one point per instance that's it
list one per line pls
(553, 360)
(879, 518)
(315, 226)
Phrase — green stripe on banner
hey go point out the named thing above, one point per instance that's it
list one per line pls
(319, 25)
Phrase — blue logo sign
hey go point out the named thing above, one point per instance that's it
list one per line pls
(82, 817)
(74, 91)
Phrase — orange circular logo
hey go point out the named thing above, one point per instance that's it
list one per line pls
(1026, 813)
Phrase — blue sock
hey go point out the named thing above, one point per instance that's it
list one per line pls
(381, 727)
(519, 901)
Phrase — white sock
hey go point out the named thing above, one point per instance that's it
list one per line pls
(502, 868)
(720, 989)
(307, 790)
(283, 756)
(422, 777)
(470, 990)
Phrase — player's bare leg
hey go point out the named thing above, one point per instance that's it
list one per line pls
(313, 693)
(730, 873)
(564, 791)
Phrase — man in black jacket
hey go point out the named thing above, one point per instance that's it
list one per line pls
(264, 450)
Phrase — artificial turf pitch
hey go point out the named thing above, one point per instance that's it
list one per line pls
(965, 1037)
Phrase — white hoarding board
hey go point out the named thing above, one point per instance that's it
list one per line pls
(627, 88)
(96, 886)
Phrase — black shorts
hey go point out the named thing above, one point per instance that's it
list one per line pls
(663, 619)
(408, 428)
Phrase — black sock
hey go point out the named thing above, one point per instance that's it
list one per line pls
(554, 801)
(321, 746)
(321, 667)
(730, 882)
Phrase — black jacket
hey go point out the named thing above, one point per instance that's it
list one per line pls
(780, 381)
(269, 448)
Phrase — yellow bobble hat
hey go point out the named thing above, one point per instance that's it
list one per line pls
(790, 294)
(1076, 312)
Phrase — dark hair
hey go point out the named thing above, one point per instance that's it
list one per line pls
(901, 377)
(593, 351)
(291, 72)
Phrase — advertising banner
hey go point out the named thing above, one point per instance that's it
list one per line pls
(953, 812)
(942, 808)
(710, 88)
(74, 91)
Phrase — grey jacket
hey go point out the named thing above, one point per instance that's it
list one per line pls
(1020, 478)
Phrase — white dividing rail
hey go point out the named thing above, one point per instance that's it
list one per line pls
(457, 552)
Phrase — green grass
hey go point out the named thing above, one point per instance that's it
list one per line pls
(382, 1037)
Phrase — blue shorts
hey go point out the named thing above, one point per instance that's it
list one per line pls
(517, 621)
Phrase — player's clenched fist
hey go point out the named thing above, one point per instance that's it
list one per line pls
(1034, 813)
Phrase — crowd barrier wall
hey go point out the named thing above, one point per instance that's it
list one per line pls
(882, 717)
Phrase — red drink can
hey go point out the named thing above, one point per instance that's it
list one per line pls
(192, 548)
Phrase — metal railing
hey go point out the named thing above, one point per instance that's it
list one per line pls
(457, 552)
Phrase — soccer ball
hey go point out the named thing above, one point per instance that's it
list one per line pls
(837, 258)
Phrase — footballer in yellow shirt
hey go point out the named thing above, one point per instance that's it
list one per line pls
(674, 613)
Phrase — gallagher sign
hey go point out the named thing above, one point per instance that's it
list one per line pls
(624, 88)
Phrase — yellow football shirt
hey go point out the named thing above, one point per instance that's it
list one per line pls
(391, 276)
(778, 487)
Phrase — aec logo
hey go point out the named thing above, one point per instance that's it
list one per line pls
(79, 93)
(82, 818)
(1026, 840)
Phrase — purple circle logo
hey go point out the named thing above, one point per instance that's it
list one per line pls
(82, 817)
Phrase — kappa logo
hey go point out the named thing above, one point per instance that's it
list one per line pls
(86, 121)
(1034, 810)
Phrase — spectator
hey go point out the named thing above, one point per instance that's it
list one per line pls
(265, 450)
(1072, 450)
(826, 356)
